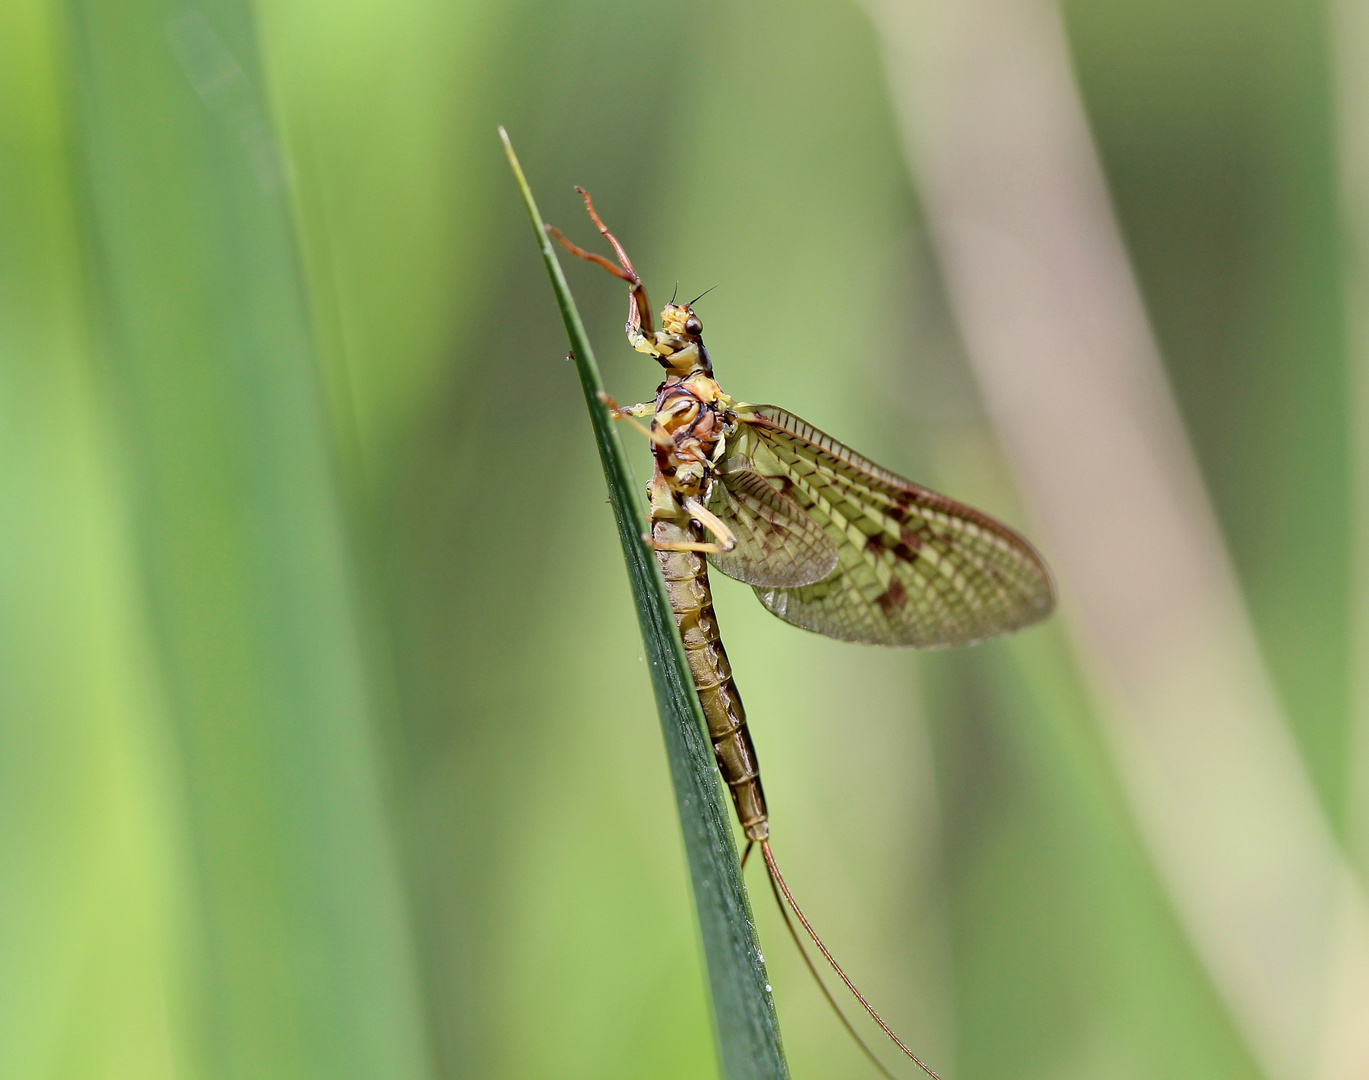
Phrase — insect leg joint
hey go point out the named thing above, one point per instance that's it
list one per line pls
(631, 413)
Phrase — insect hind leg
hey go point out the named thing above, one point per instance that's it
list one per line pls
(696, 510)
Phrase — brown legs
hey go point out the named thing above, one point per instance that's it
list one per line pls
(639, 308)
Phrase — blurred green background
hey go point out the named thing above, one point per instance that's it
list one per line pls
(326, 744)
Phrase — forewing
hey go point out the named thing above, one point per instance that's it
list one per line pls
(914, 567)
(778, 545)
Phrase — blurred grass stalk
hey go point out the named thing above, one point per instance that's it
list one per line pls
(289, 942)
(745, 1025)
(996, 136)
(86, 914)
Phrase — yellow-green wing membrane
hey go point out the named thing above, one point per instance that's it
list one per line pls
(914, 567)
(778, 545)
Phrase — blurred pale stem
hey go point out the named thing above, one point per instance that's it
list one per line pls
(1040, 283)
(1350, 42)
(1350, 55)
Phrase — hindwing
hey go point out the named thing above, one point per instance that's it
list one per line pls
(778, 544)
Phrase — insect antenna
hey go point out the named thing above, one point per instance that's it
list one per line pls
(701, 295)
(778, 886)
(673, 293)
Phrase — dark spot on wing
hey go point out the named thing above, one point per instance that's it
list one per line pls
(909, 544)
(892, 598)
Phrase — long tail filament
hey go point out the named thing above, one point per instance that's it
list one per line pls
(813, 971)
(778, 887)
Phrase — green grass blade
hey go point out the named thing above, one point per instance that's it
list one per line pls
(296, 954)
(744, 1013)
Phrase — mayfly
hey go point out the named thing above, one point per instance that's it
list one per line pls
(829, 540)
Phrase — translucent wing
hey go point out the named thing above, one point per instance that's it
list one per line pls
(778, 545)
(915, 568)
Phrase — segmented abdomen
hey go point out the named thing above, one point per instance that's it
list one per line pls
(686, 579)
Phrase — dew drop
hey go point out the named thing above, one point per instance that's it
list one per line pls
(767, 988)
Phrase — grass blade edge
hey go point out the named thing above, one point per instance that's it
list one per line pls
(745, 1025)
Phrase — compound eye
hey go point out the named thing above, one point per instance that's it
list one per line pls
(693, 327)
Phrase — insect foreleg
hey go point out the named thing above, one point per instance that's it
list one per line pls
(590, 256)
(639, 327)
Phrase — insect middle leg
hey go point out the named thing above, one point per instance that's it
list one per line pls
(631, 413)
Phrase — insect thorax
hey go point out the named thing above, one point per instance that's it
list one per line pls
(693, 412)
